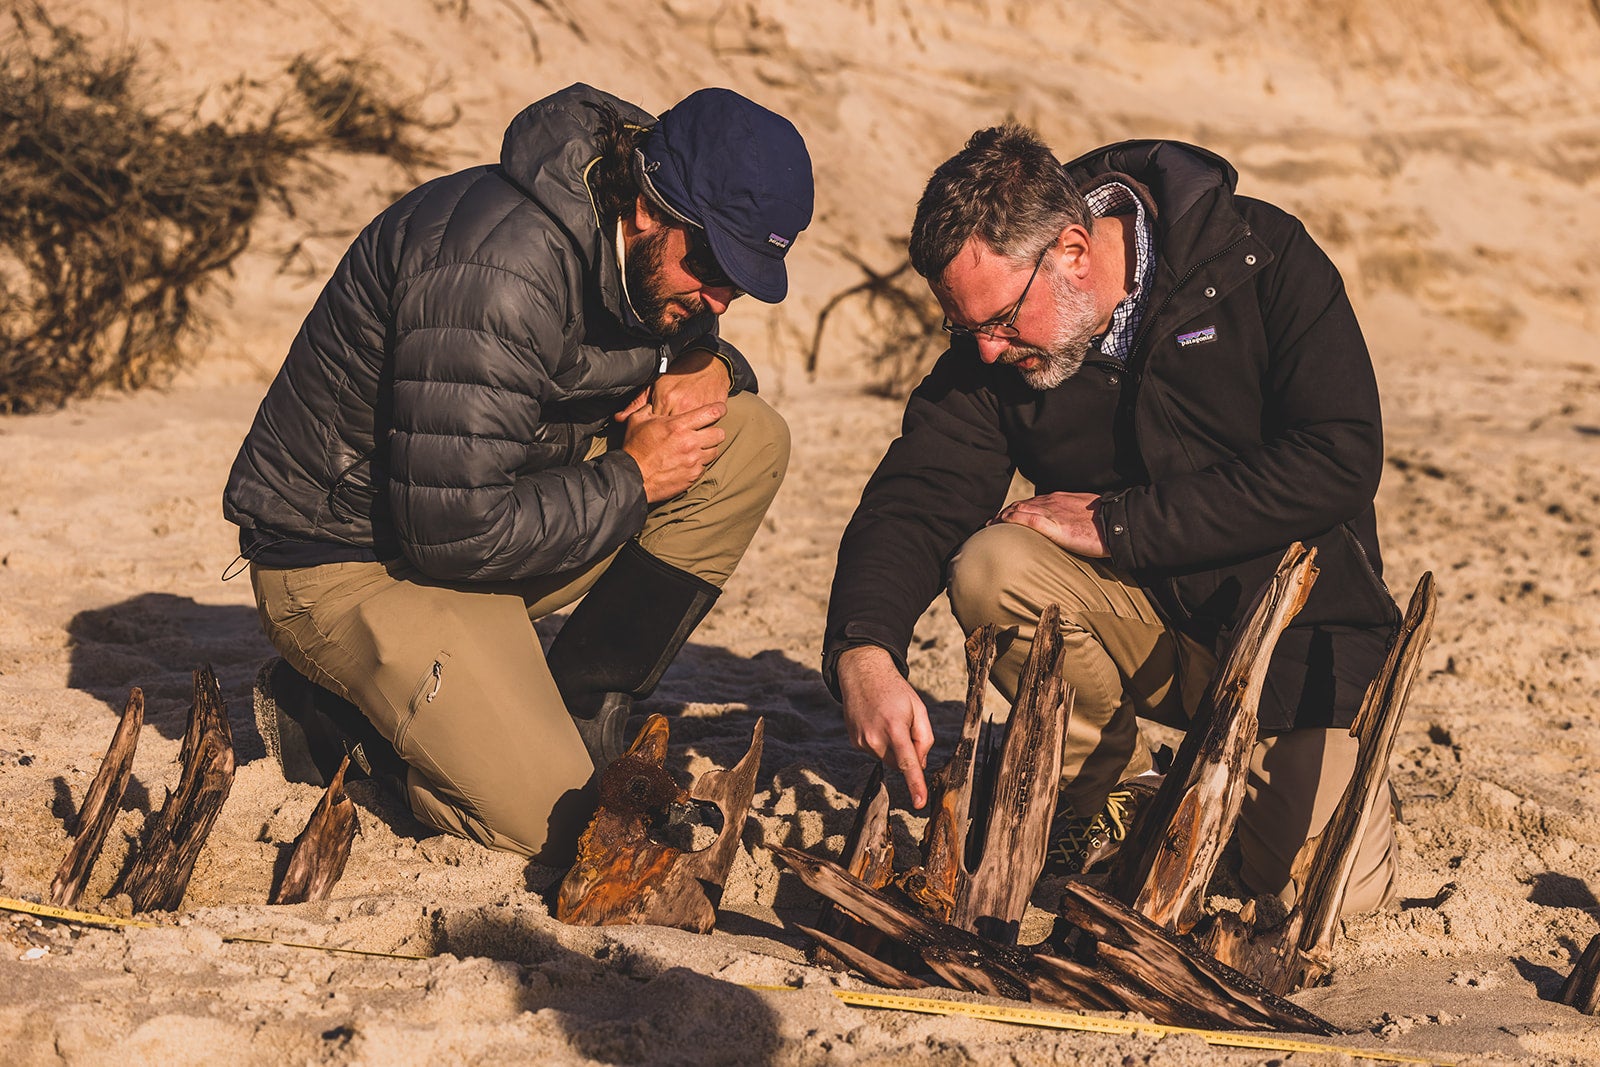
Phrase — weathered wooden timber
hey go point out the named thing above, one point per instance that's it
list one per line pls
(1582, 987)
(1296, 953)
(1179, 835)
(1141, 968)
(623, 875)
(160, 873)
(869, 856)
(323, 847)
(100, 805)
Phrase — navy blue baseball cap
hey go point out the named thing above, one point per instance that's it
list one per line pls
(742, 173)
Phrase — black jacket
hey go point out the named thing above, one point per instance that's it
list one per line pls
(1210, 457)
(440, 398)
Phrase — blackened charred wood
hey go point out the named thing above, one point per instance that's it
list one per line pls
(100, 806)
(1164, 875)
(323, 847)
(159, 876)
(849, 956)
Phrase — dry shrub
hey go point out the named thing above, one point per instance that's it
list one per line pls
(351, 101)
(904, 332)
(117, 214)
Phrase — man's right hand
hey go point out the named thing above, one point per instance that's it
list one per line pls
(884, 714)
(672, 451)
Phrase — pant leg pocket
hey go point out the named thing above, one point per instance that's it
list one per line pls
(425, 693)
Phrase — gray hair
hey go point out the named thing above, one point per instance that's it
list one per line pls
(1005, 188)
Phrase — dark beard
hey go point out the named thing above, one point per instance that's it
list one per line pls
(647, 294)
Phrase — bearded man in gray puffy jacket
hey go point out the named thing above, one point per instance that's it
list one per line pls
(512, 394)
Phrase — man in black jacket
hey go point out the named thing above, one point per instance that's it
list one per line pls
(1178, 372)
(511, 393)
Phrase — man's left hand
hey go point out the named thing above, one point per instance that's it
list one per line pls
(1067, 519)
(694, 379)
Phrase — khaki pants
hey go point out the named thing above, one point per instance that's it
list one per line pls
(453, 673)
(1126, 665)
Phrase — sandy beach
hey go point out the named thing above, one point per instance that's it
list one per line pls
(1445, 156)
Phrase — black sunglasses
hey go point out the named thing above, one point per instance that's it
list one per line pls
(700, 261)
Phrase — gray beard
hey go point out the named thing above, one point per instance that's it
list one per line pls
(1064, 355)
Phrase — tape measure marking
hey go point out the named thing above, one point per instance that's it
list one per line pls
(1061, 1020)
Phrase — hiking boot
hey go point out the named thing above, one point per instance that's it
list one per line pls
(309, 730)
(618, 642)
(1078, 843)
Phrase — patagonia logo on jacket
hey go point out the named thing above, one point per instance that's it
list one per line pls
(1197, 337)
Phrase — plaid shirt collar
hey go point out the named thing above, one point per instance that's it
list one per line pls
(1114, 198)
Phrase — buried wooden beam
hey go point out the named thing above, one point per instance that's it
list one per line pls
(1582, 987)
(1190, 818)
(1017, 834)
(1296, 952)
(1146, 969)
(323, 847)
(868, 855)
(160, 873)
(622, 874)
(940, 881)
(100, 805)
(1375, 727)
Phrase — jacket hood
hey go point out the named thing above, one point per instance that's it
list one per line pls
(546, 153)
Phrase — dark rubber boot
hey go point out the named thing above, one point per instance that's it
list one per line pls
(618, 642)
(309, 730)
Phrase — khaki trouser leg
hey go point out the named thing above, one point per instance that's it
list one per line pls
(1116, 653)
(1296, 780)
(455, 680)
(453, 674)
(1124, 665)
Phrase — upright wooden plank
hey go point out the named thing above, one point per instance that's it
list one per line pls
(323, 847)
(942, 878)
(100, 805)
(1376, 726)
(868, 855)
(1165, 879)
(1024, 798)
(160, 874)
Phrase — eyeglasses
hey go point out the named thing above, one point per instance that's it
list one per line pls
(1001, 331)
(700, 261)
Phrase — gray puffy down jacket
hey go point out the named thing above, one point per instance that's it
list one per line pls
(440, 397)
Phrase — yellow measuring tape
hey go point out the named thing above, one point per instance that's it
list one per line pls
(1056, 1020)
(1062, 1020)
(86, 918)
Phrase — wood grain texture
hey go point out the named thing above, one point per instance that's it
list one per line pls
(100, 805)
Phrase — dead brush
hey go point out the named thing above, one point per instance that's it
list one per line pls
(119, 213)
(904, 326)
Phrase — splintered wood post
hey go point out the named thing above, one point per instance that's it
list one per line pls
(1582, 987)
(624, 876)
(1165, 878)
(1145, 955)
(1376, 725)
(995, 896)
(100, 805)
(941, 879)
(323, 847)
(868, 855)
(160, 874)
(1190, 991)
